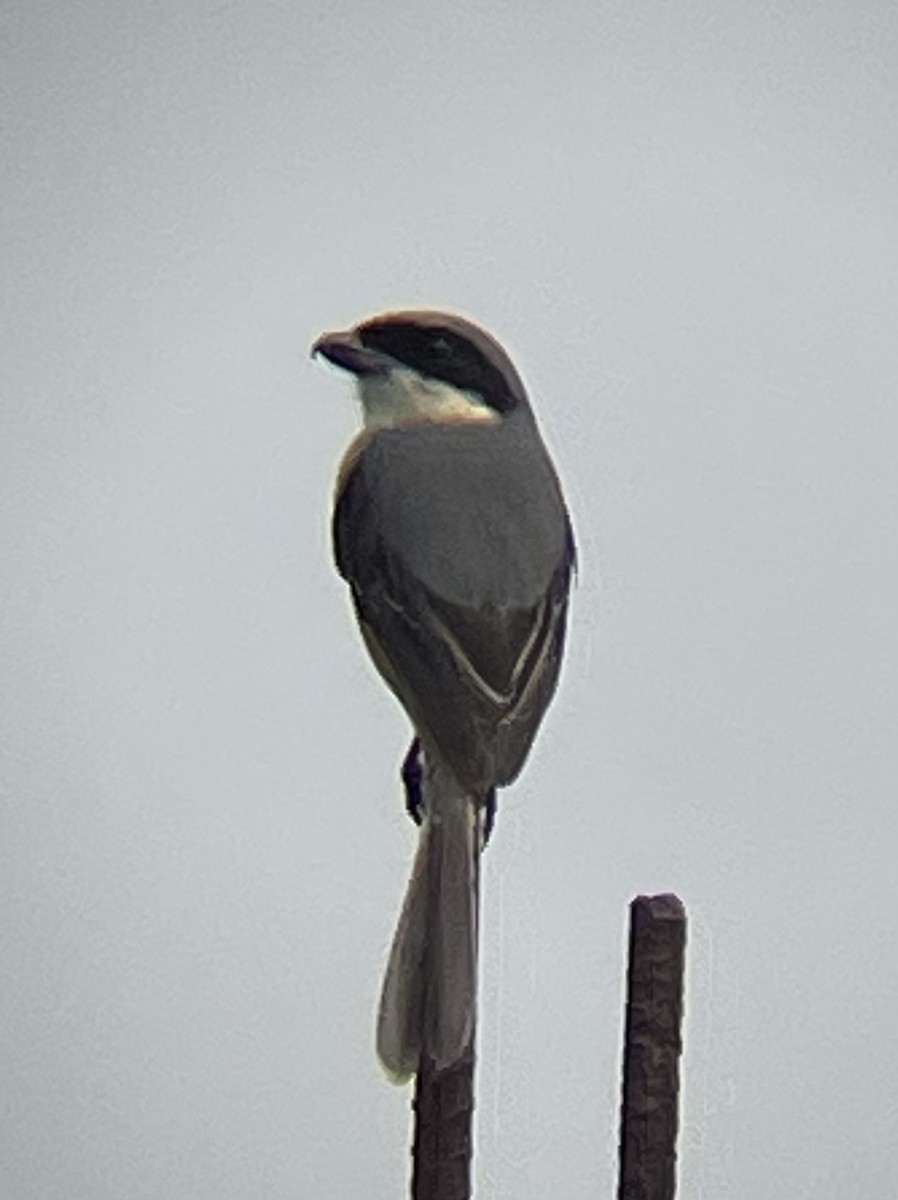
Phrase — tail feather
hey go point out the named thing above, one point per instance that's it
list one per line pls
(429, 992)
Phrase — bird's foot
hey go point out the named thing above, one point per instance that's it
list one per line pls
(412, 774)
(489, 815)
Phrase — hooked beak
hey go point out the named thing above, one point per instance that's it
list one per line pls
(344, 350)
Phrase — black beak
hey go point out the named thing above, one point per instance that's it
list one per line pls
(344, 350)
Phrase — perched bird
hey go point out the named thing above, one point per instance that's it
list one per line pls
(451, 530)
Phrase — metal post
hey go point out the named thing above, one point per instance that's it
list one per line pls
(444, 1102)
(652, 1046)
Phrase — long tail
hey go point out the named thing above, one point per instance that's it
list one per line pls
(429, 994)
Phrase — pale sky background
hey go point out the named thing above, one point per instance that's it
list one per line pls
(681, 219)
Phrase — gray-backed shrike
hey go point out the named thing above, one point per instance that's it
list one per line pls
(450, 528)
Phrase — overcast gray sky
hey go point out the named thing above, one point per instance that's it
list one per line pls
(681, 220)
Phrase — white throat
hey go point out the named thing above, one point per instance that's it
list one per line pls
(402, 396)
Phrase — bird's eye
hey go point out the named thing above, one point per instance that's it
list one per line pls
(440, 346)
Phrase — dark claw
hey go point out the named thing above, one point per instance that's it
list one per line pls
(489, 815)
(412, 774)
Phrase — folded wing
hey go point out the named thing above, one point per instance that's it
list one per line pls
(474, 678)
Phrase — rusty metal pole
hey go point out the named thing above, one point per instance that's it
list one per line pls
(442, 1149)
(652, 1046)
(443, 1103)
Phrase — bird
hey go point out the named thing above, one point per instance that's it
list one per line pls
(450, 527)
